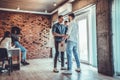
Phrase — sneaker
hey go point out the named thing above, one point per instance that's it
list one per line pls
(67, 72)
(55, 70)
(24, 63)
(4, 70)
(63, 68)
(78, 70)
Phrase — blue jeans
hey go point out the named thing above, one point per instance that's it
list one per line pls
(72, 48)
(23, 49)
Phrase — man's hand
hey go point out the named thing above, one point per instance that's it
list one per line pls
(65, 37)
(62, 35)
(59, 35)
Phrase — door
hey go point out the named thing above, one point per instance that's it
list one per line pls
(86, 19)
(83, 39)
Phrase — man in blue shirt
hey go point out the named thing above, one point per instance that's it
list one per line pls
(58, 31)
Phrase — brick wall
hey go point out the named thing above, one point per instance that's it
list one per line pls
(35, 31)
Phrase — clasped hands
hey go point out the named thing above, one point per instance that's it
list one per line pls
(64, 37)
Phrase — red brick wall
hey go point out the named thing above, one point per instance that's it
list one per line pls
(35, 31)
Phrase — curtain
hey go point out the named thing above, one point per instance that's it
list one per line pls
(116, 34)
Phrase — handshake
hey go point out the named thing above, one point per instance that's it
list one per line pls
(64, 36)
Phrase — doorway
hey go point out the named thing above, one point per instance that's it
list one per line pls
(83, 39)
(86, 19)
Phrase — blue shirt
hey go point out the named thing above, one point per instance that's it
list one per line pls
(60, 29)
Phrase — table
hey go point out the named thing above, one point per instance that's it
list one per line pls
(17, 53)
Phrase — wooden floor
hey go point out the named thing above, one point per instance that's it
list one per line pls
(41, 69)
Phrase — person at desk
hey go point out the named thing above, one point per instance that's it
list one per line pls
(5, 42)
(15, 35)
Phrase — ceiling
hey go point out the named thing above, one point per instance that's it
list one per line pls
(31, 5)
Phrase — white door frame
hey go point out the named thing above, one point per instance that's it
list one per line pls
(91, 11)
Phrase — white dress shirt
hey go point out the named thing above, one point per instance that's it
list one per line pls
(6, 43)
(72, 31)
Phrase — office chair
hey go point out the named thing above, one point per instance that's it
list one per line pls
(4, 57)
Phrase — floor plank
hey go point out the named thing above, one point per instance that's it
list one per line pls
(41, 69)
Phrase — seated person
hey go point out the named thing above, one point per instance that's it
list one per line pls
(5, 42)
(15, 31)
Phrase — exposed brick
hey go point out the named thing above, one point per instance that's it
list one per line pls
(35, 31)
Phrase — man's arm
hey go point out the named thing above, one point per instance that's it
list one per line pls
(59, 35)
(68, 31)
(54, 32)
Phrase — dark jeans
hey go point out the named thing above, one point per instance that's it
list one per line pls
(57, 54)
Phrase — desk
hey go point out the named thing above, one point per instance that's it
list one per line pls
(16, 52)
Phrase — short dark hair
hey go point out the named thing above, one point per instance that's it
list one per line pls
(60, 16)
(15, 30)
(6, 34)
(72, 15)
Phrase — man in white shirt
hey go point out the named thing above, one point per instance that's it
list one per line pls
(72, 41)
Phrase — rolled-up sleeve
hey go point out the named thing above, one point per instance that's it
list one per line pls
(53, 29)
(69, 30)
